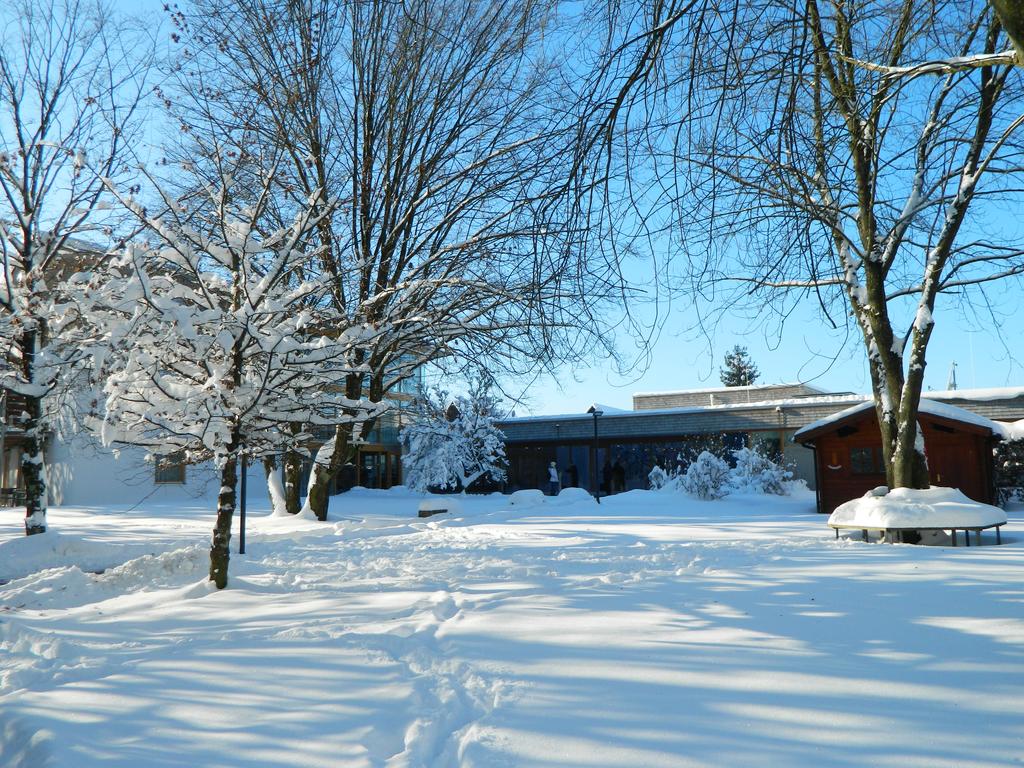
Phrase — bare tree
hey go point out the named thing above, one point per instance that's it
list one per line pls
(795, 173)
(68, 99)
(434, 123)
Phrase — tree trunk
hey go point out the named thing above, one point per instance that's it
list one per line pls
(344, 451)
(219, 552)
(1011, 16)
(275, 488)
(33, 462)
(324, 474)
(319, 490)
(292, 477)
(902, 446)
(33, 468)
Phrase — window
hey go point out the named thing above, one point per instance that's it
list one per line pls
(867, 461)
(170, 469)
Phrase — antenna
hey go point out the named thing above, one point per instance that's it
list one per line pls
(951, 381)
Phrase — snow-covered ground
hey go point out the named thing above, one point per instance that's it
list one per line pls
(652, 630)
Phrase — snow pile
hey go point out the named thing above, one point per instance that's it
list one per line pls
(28, 554)
(70, 586)
(574, 496)
(530, 497)
(934, 507)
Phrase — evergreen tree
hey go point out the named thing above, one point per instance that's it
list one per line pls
(739, 370)
(454, 441)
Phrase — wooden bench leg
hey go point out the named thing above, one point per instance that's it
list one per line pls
(998, 538)
(864, 534)
(953, 534)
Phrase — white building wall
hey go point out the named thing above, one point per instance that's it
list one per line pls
(84, 473)
(800, 460)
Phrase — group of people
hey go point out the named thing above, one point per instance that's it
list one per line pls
(612, 480)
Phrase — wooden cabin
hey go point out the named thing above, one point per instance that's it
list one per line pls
(848, 452)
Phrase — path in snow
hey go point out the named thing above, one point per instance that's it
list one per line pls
(652, 630)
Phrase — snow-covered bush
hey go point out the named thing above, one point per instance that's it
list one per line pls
(657, 478)
(453, 442)
(756, 473)
(1009, 465)
(707, 477)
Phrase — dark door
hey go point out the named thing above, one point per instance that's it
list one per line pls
(955, 465)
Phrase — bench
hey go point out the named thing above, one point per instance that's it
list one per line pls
(440, 505)
(12, 497)
(888, 533)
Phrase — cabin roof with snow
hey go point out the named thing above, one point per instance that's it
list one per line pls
(943, 412)
(849, 460)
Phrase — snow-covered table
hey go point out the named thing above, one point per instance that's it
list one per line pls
(895, 512)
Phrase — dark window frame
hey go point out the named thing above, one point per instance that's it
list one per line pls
(170, 470)
(870, 461)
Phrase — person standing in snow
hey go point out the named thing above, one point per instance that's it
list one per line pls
(606, 477)
(553, 478)
(618, 477)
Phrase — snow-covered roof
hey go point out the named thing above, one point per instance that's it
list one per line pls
(927, 406)
(987, 393)
(649, 412)
(928, 400)
(606, 409)
(748, 388)
(1011, 430)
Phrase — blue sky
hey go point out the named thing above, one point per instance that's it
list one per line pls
(804, 352)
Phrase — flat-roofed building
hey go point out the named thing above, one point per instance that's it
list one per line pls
(669, 428)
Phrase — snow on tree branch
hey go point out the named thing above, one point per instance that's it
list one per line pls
(453, 442)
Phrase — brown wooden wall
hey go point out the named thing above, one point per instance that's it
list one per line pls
(959, 456)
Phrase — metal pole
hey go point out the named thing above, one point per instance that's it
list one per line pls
(241, 506)
(3, 439)
(597, 484)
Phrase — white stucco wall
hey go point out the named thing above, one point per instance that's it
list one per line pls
(84, 473)
(800, 460)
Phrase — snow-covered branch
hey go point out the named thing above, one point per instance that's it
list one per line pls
(945, 66)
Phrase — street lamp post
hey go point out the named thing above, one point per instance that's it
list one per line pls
(241, 509)
(595, 412)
